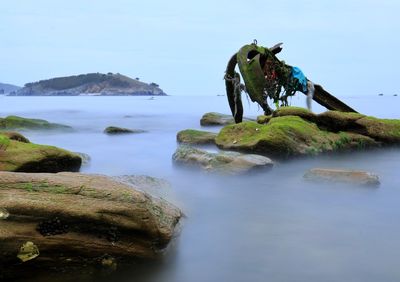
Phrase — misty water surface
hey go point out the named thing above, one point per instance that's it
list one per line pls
(265, 227)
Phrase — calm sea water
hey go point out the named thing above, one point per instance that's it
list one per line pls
(265, 227)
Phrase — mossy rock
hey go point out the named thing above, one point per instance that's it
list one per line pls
(214, 118)
(16, 136)
(192, 136)
(28, 157)
(288, 136)
(20, 123)
(295, 111)
(120, 130)
(264, 119)
(222, 162)
(339, 121)
(385, 130)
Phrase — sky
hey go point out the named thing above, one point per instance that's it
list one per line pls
(350, 47)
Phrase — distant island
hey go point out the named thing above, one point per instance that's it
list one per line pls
(8, 88)
(91, 84)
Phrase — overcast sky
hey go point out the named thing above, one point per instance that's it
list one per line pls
(348, 46)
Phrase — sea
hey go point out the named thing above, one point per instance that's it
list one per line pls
(270, 226)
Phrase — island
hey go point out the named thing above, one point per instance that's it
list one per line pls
(91, 84)
(8, 88)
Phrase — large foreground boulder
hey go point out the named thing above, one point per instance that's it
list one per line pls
(20, 123)
(17, 154)
(295, 132)
(224, 162)
(75, 220)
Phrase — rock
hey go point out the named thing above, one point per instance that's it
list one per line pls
(20, 123)
(28, 157)
(12, 135)
(225, 162)
(292, 132)
(264, 119)
(287, 136)
(295, 111)
(154, 186)
(144, 182)
(216, 119)
(191, 136)
(342, 175)
(100, 217)
(119, 130)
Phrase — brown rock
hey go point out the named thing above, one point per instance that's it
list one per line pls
(343, 176)
(74, 218)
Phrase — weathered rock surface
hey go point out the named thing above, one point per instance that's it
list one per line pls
(77, 220)
(120, 130)
(224, 162)
(28, 157)
(295, 132)
(20, 123)
(191, 136)
(157, 187)
(342, 176)
(216, 119)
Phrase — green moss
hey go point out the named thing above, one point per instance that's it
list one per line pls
(29, 157)
(295, 111)
(40, 187)
(20, 123)
(263, 119)
(191, 136)
(382, 129)
(4, 142)
(280, 136)
(287, 136)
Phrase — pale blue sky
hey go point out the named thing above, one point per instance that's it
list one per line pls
(350, 47)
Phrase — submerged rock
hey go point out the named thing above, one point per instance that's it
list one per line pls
(28, 157)
(120, 130)
(191, 136)
(104, 217)
(294, 132)
(225, 162)
(342, 175)
(20, 123)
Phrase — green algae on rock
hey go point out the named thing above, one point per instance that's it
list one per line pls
(120, 130)
(192, 136)
(28, 157)
(295, 132)
(20, 123)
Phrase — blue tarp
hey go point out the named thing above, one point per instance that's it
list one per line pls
(299, 75)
